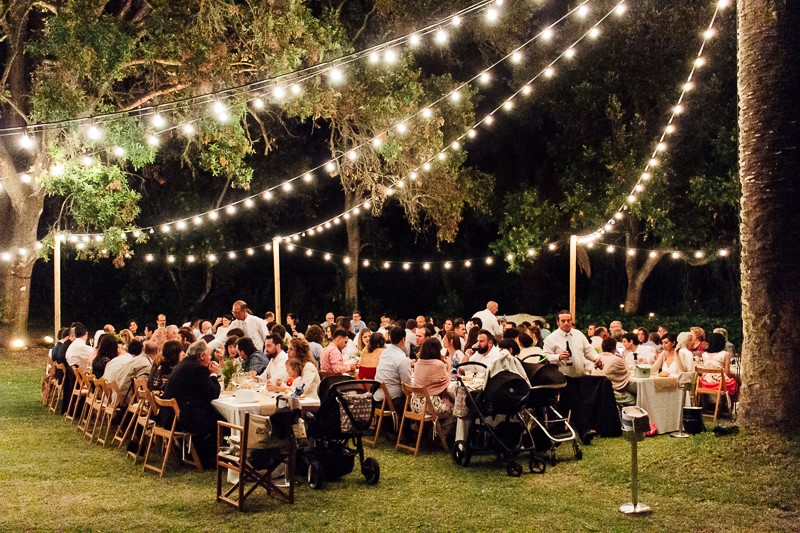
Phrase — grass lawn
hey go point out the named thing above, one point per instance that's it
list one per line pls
(52, 479)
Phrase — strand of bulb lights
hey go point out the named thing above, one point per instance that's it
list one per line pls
(661, 146)
(331, 166)
(181, 224)
(508, 104)
(655, 253)
(156, 112)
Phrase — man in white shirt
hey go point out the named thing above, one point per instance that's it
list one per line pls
(253, 327)
(394, 368)
(276, 368)
(79, 353)
(489, 319)
(644, 354)
(386, 325)
(485, 353)
(583, 357)
(139, 365)
(108, 328)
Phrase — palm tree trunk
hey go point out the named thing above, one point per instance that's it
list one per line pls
(769, 160)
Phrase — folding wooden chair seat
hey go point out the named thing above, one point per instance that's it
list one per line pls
(79, 392)
(385, 409)
(57, 391)
(253, 436)
(142, 424)
(112, 396)
(48, 382)
(717, 392)
(132, 411)
(176, 443)
(426, 415)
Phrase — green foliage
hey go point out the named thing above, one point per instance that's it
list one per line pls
(526, 226)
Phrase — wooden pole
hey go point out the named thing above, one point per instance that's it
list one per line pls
(573, 266)
(276, 263)
(56, 286)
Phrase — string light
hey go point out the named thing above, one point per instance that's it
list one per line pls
(660, 145)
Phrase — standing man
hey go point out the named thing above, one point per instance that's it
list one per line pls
(253, 327)
(161, 321)
(583, 354)
(357, 324)
(489, 319)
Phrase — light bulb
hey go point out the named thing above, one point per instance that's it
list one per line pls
(516, 57)
(414, 40)
(165, 228)
(213, 215)
(699, 62)
(485, 78)
(631, 198)
(508, 105)
(390, 56)
(158, 121)
(678, 109)
(231, 209)
(87, 161)
(709, 33)
(724, 253)
(448, 265)
(582, 11)
(441, 156)
(258, 103)
(26, 142)
(181, 224)
(248, 203)
(250, 251)
(492, 15)
(330, 167)
(93, 133)
(427, 113)
(352, 155)
(547, 34)
(426, 166)
(365, 263)
(148, 258)
(653, 162)
(676, 255)
(688, 86)
(190, 258)
(426, 266)
(386, 265)
(278, 92)
(336, 75)
(287, 187)
(455, 96)
(594, 33)
(619, 215)
(489, 120)
(569, 53)
(549, 72)
(471, 133)
(376, 142)
(346, 260)
(188, 129)
(25, 178)
(653, 254)
(669, 129)
(722, 4)
(118, 151)
(467, 263)
(309, 253)
(526, 90)
(413, 175)
(402, 128)
(457, 21)
(610, 249)
(374, 57)
(295, 89)
(212, 258)
(231, 255)
(441, 36)
(620, 9)
(699, 254)
(197, 220)
(327, 257)
(152, 140)
(406, 266)
(455, 145)
(631, 252)
(308, 177)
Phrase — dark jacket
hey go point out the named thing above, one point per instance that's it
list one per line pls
(191, 384)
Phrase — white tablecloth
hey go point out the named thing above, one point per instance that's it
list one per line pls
(664, 406)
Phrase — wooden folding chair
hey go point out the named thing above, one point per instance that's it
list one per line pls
(112, 396)
(386, 409)
(48, 382)
(716, 392)
(173, 441)
(57, 392)
(92, 406)
(427, 414)
(134, 409)
(253, 436)
(143, 423)
(79, 391)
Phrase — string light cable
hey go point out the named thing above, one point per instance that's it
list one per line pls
(661, 146)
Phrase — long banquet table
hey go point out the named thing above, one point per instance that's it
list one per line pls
(661, 398)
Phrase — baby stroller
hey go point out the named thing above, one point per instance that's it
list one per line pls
(549, 428)
(345, 414)
(506, 436)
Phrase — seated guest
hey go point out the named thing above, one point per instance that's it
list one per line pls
(187, 336)
(331, 361)
(79, 353)
(716, 357)
(729, 347)
(616, 370)
(194, 384)
(116, 368)
(139, 366)
(527, 347)
(275, 373)
(433, 372)
(230, 349)
(126, 336)
(254, 361)
(510, 345)
(635, 351)
(452, 343)
(654, 339)
(301, 370)
(485, 352)
(107, 349)
(171, 355)
(314, 336)
(643, 335)
(370, 355)
(394, 368)
(700, 345)
(670, 360)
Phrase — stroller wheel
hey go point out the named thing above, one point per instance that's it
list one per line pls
(537, 466)
(316, 477)
(514, 469)
(578, 451)
(460, 453)
(371, 470)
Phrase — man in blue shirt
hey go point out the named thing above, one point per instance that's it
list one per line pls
(357, 324)
(254, 361)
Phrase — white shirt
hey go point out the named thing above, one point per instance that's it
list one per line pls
(489, 322)
(394, 368)
(117, 369)
(79, 353)
(276, 369)
(487, 359)
(583, 354)
(253, 327)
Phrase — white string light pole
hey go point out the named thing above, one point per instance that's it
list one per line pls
(276, 267)
(573, 274)
(56, 286)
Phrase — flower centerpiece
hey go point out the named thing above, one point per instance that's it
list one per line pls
(228, 369)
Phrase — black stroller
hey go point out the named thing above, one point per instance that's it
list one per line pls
(345, 414)
(548, 427)
(504, 396)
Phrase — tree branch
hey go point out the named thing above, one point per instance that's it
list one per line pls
(156, 94)
(167, 62)
(363, 24)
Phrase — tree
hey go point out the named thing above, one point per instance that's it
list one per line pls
(74, 58)
(769, 136)
(620, 93)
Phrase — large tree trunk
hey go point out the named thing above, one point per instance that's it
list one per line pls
(769, 160)
(637, 272)
(351, 199)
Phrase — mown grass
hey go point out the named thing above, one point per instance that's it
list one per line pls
(52, 479)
